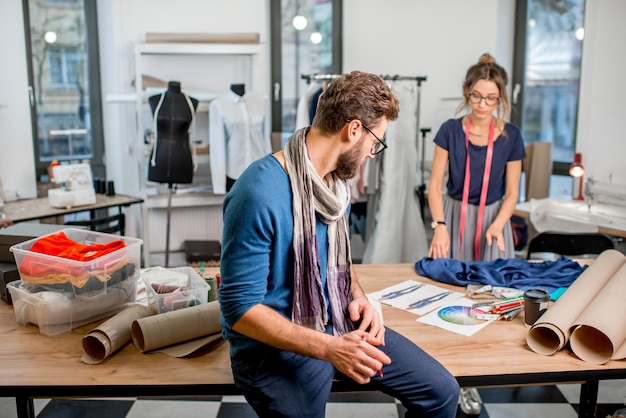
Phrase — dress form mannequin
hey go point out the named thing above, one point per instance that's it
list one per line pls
(238, 89)
(171, 160)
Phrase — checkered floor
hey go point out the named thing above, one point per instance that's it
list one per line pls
(530, 401)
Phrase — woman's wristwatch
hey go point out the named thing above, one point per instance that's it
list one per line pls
(435, 224)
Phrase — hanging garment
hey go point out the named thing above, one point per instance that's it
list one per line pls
(238, 136)
(399, 235)
(304, 111)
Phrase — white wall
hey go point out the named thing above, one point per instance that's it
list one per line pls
(17, 162)
(436, 39)
(602, 111)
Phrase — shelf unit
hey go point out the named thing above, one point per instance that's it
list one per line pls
(255, 76)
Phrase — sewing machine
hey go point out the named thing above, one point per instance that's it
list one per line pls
(76, 186)
(603, 209)
(601, 192)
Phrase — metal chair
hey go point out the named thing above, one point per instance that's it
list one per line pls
(110, 224)
(570, 244)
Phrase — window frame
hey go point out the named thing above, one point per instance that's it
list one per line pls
(518, 79)
(93, 80)
(276, 55)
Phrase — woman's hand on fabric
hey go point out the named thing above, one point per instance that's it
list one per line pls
(354, 355)
(361, 309)
(440, 244)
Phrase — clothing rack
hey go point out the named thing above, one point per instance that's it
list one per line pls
(322, 77)
(395, 77)
(419, 78)
(319, 77)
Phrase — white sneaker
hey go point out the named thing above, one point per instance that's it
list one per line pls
(470, 401)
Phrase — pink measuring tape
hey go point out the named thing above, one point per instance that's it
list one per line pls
(483, 190)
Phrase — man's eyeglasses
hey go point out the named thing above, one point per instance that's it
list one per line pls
(477, 98)
(379, 146)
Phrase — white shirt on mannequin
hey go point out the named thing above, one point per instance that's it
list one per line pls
(238, 135)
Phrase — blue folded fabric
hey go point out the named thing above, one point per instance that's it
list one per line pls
(512, 272)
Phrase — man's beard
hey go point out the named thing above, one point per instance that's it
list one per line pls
(349, 162)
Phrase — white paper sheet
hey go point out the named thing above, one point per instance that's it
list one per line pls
(415, 297)
(455, 317)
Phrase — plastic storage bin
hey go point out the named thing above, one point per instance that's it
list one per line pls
(58, 312)
(120, 261)
(57, 293)
(170, 289)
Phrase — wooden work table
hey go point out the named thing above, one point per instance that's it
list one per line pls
(34, 365)
(36, 209)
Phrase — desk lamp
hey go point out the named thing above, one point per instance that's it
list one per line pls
(577, 171)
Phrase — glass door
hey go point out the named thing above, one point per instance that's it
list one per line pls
(546, 79)
(63, 71)
(306, 39)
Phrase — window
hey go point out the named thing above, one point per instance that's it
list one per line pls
(65, 64)
(546, 78)
(63, 73)
(306, 39)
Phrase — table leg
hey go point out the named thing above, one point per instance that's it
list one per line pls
(588, 399)
(25, 407)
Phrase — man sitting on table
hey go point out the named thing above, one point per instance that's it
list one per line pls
(292, 307)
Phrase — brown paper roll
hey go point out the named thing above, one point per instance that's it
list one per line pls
(106, 339)
(176, 327)
(601, 328)
(553, 330)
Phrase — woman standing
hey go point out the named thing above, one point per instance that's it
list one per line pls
(483, 154)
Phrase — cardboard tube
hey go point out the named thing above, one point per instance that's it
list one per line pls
(601, 328)
(175, 327)
(553, 330)
(106, 339)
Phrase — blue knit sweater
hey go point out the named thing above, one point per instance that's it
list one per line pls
(257, 255)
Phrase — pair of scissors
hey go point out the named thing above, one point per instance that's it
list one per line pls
(427, 301)
(398, 293)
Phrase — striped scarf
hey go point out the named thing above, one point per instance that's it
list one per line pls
(312, 196)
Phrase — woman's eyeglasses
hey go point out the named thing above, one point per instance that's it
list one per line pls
(477, 98)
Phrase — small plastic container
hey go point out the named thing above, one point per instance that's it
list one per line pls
(171, 289)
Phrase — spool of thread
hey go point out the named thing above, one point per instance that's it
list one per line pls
(110, 189)
(213, 291)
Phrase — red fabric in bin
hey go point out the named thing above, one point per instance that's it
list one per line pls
(59, 245)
